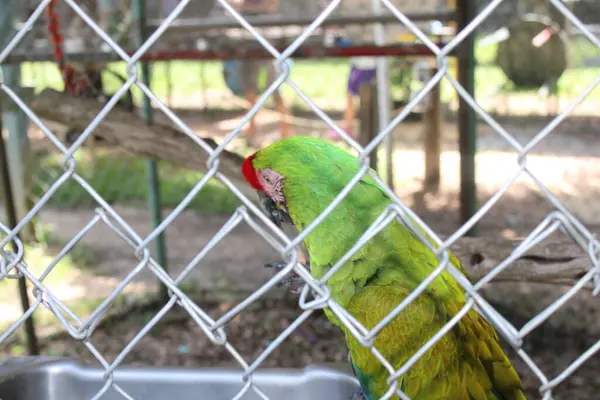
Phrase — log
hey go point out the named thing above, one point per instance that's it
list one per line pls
(551, 262)
(556, 261)
(130, 132)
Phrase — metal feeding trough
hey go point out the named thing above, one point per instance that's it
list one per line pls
(52, 378)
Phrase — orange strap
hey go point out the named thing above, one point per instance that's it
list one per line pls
(75, 81)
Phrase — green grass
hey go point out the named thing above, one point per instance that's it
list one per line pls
(76, 267)
(323, 79)
(122, 179)
(38, 257)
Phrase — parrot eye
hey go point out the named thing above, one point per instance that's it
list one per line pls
(267, 179)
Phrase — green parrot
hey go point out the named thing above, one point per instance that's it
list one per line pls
(296, 179)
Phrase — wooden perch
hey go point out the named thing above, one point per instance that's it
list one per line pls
(549, 262)
(158, 141)
(553, 261)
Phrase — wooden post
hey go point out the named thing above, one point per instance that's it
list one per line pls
(368, 116)
(433, 122)
(466, 117)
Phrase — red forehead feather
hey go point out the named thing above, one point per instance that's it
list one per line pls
(250, 173)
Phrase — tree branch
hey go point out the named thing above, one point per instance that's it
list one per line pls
(128, 131)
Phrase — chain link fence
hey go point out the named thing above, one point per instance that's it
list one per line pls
(315, 295)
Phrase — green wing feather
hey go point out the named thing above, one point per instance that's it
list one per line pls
(466, 363)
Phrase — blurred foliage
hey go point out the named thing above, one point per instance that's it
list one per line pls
(121, 179)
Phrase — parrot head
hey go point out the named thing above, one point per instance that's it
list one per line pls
(297, 177)
(269, 185)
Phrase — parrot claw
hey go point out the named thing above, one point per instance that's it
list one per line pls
(293, 281)
(278, 265)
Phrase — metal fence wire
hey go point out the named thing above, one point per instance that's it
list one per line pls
(315, 294)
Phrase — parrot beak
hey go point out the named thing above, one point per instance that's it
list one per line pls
(272, 210)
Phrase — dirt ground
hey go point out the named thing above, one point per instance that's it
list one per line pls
(567, 161)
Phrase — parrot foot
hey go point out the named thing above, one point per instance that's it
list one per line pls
(279, 265)
(294, 281)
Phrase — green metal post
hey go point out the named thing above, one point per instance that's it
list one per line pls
(11, 216)
(467, 128)
(18, 148)
(151, 167)
(16, 159)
